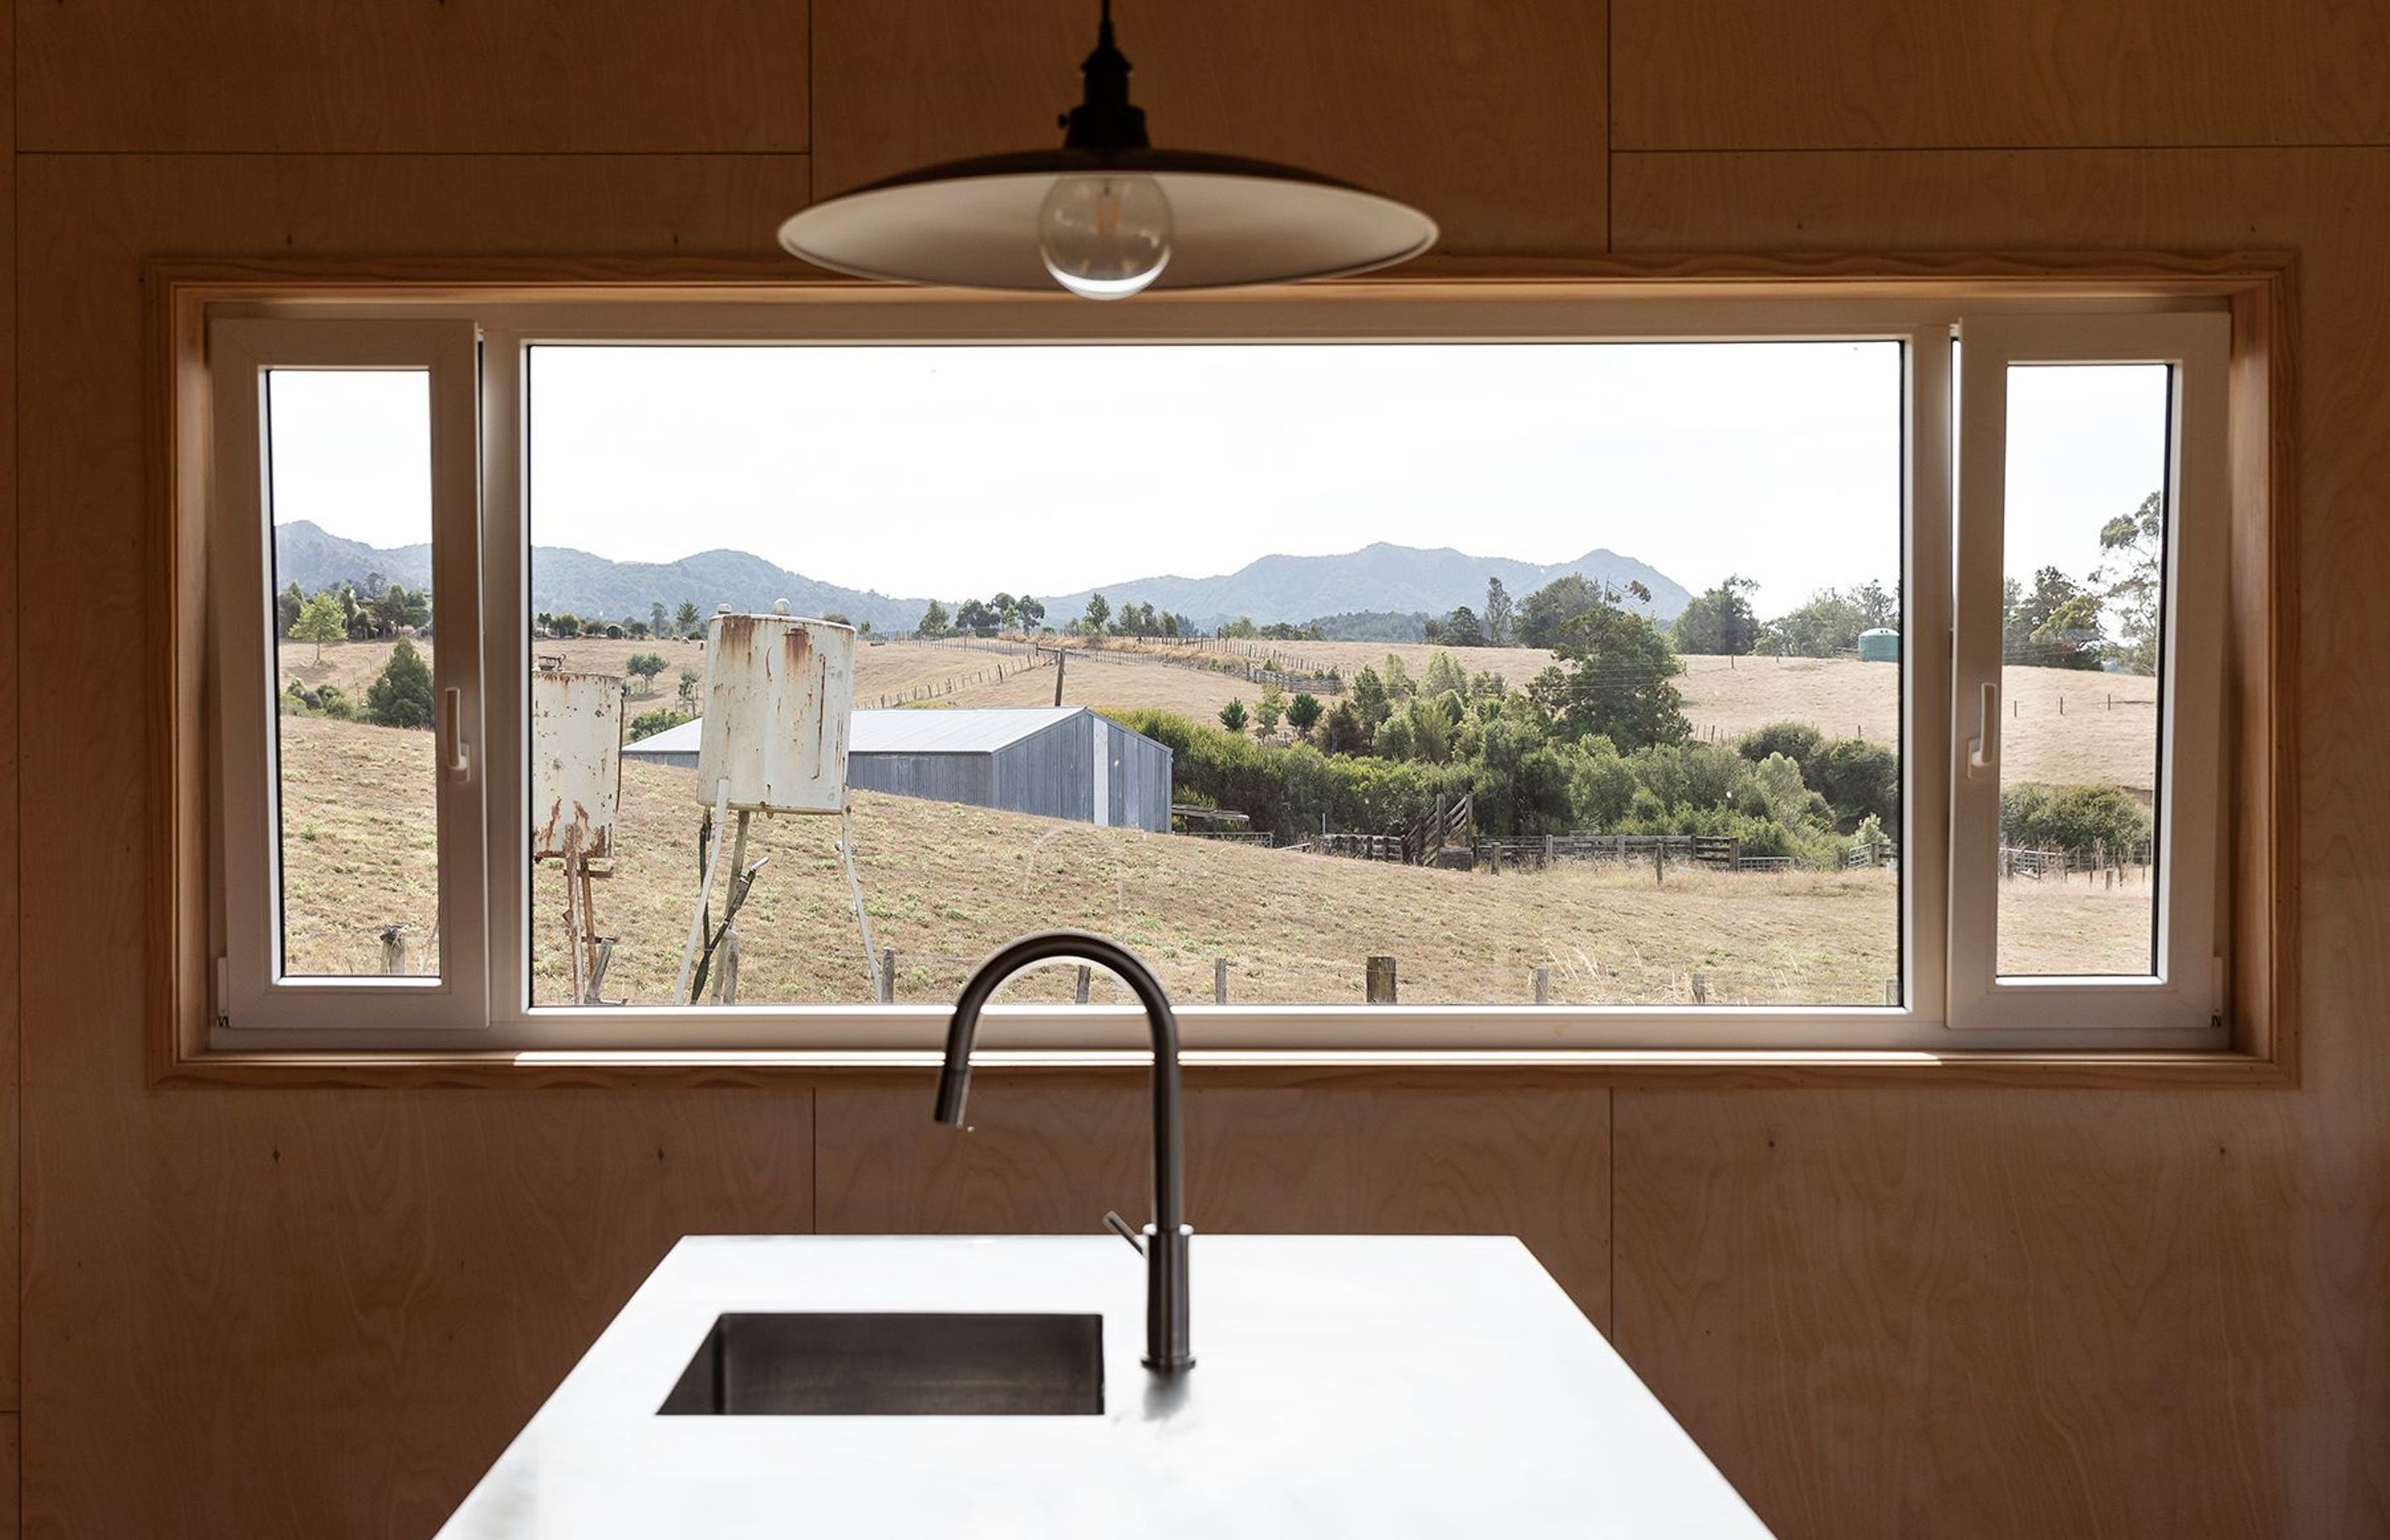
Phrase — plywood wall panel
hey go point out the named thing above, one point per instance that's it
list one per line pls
(1752, 74)
(478, 75)
(1972, 1314)
(326, 1314)
(1489, 114)
(296, 1313)
(10, 705)
(1531, 1163)
(2225, 1365)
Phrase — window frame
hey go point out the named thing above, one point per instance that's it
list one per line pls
(2184, 991)
(242, 354)
(1655, 306)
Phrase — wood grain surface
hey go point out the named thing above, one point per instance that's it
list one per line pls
(253, 1311)
(1531, 1163)
(2299, 1242)
(1486, 113)
(1749, 74)
(302, 76)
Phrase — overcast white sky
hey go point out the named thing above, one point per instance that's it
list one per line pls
(948, 472)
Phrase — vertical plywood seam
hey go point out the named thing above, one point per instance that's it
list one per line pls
(813, 93)
(1610, 169)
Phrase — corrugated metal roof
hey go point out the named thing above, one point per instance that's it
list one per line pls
(968, 730)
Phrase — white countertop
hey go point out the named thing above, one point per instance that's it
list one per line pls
(1345, 1385)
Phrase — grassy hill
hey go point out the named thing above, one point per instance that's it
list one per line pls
(946, 884)
(2067, 727)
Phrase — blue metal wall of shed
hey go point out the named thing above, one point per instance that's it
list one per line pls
(1051, 774)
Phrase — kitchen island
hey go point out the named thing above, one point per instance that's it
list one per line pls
(1364, 1385)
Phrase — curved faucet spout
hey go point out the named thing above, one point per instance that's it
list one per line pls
(1166, 1240)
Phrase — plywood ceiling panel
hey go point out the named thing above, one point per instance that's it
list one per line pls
(1750, 75)
(480, 75)
(1488, 114)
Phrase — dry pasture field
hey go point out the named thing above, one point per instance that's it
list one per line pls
(944, 885)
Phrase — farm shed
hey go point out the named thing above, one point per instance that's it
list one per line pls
(1058, 762)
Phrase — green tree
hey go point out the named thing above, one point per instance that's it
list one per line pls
(2131, 581)
(688, 693)
(933, 620)
(1030, 613)
(2053, 624)
(320, 621)
(1615, 678)
(1461, 628)
(644, 667)
(1444, 677)
(390, 611)
(1720, 620)
(1398, 679)
(565, 626)
(1369, 699)
(1303, 714)
(1829, 624)
(686, 621)
(287, 607)
(649, 724)
(1341, 731)
(1544, 614)
(1271, 709)
(659, 621)
(1232, 717)
(400, 695)
(1099, 610)
(1500, 619)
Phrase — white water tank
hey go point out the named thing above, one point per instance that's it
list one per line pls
(779, 695)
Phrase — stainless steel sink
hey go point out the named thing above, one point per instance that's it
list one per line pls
(894, 1365)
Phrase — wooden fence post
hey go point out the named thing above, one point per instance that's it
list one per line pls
(1660, 861)
(394, 949)
(1700, 988)
(1380, 984)
(888, 977)
(1079, 987)
(1219, 981)
(1543, 986)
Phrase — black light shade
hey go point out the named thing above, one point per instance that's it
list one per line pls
(975, 223)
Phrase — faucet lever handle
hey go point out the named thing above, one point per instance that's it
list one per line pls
(1123, 1228)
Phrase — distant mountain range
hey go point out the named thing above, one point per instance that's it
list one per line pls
(566, 581)
(1402, 579)
(1400, 582)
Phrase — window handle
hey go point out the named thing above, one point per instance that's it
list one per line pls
(1984, 748)
(460, 754)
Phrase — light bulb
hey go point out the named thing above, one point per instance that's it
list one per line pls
(1104, 237)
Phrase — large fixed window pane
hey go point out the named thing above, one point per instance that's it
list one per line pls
(1555, 672)
(2082, 643)
(355, 771)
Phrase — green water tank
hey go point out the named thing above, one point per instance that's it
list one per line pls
(1879, 645)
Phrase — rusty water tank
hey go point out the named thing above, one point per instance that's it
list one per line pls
(780, 696)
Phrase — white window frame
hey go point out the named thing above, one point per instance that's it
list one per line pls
(2184, 991)
(498, 1017)
(249, 988)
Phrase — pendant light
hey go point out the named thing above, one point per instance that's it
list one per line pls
(1107, 215)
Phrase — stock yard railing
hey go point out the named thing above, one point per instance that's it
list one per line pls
(1718, 852)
